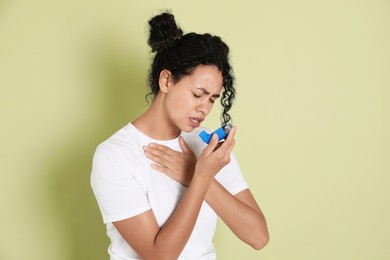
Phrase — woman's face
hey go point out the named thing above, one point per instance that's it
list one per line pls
(190, 100)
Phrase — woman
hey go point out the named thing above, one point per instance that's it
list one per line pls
(158, 186)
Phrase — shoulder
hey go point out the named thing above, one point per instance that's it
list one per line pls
(119, 147)
(119, 157)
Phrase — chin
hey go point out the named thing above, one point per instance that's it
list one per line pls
(187, 129)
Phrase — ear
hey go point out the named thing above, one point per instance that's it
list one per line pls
(165, 81)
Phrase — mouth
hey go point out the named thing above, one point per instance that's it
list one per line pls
(196, 121)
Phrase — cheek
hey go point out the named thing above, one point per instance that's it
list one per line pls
(186, 101)
(209, 107)
(180, 104)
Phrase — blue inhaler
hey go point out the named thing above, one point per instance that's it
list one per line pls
(222, 133)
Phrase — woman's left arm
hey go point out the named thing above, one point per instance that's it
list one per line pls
(240, 213)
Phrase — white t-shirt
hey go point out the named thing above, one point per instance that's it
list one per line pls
(125, 185)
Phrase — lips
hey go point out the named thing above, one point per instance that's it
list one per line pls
(195, 122)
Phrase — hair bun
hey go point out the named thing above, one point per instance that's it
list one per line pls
(164, 32)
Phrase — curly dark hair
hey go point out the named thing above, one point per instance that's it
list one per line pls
(181, 54)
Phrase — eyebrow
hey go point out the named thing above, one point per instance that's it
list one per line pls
(206, 92)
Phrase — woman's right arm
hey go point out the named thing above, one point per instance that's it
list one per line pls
(152, 242)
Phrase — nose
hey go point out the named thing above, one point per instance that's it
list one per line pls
(204, 107)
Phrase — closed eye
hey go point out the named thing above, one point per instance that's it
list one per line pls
(199, 96)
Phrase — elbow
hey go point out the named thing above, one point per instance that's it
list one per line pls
(261, 240)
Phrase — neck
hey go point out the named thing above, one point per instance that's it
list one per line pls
(155, 123)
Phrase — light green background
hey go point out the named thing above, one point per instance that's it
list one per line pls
(313, 116)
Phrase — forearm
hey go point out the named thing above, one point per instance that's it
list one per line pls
(167, 242)
(174, 235)
(245, 220)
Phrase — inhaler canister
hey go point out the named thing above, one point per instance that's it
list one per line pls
(222, 133)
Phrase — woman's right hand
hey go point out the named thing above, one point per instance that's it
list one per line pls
(215, 156)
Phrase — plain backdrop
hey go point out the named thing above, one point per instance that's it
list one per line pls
(312, 110)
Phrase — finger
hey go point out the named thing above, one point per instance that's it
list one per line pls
(226, 156)
(162, 148)
(212, 145)
(162, 151)
(152, 149)
(230, 138)
(219, 145)
(157, 159)
(228, 144)
(229, 150)
(159, 168)
(184, 146)
(232, 133)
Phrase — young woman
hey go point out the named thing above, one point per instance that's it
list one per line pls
(158, 186)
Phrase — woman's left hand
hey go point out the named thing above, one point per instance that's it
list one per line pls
(179, 166)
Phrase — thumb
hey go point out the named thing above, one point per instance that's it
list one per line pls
(184, 146)
(212, 145)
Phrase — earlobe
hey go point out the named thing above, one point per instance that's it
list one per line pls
(165, 80)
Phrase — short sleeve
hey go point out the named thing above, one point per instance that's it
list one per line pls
(231, 177)
(118, 194)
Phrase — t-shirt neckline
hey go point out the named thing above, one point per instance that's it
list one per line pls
(147, 139)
